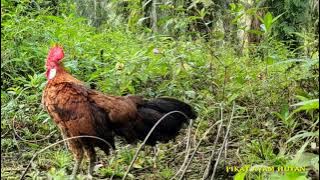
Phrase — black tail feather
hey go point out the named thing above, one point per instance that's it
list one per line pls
(152, 111)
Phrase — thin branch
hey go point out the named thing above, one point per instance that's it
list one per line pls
(4, 134)
(225, 152)
(154, 16)
(145, 4)
(224, 83)
(147, 137)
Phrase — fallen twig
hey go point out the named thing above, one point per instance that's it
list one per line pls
(4, 134)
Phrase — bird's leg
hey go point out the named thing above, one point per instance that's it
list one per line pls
(64, 136)
(78, 157)
(92, 159)
(91, 165)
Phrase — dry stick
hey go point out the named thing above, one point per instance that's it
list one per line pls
(147, 137)
(37, 153)
(238, 156)
(196, 149)
(4, 134)
(146, 3)
(209, 165)
(224, 83)
(197, 130)
(225, 153)
(224, 141)
(187, 150)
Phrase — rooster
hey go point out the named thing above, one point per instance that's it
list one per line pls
(80, 111)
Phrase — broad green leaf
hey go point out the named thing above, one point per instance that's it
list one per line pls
(307, 105)
(240, 175)
(312, 102)
(267, 21)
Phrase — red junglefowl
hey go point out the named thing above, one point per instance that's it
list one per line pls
(78, 111)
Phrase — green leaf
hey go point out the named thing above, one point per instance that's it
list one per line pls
(303, 135)
(307, 105)
(190, 94)
(302, 98)
(267, 21)
(202, 13)
(270, 60)
(287, 176)
(137, 166)
(313, 102)
(240, 175)
(232, 97)
(285, 111)
(257, 32)
(232, 6)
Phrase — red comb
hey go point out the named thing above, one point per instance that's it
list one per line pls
(55, 53)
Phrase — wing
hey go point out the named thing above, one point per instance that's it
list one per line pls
(122, 113)
(120, 109)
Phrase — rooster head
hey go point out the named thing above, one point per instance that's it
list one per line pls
(55, 55)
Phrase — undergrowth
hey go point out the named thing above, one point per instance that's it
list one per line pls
(275, 91)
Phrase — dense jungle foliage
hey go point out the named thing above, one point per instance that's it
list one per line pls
(250, 68)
